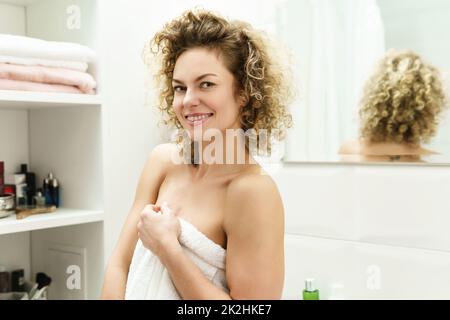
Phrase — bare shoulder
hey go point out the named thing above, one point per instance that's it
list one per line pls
(164, 152)
(350, 147)
(253, 184)
(163, 156)
(159, 162)
(253, 197)
(423, 151)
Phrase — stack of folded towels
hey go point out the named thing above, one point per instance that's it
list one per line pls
(37, 65)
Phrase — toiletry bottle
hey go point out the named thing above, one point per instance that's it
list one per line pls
(30, 180)
(31, 183)
(5, 285)
(21, 185)
(21, 194)
(55, 192)
(39, 199)
(18, 280)
(46, 191)
(50, 187)
(50, 178)
(310, 292)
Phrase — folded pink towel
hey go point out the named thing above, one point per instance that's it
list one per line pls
(50, 75)
(75, 65)
(6, 84)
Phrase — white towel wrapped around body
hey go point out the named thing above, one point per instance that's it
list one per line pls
(148, 279)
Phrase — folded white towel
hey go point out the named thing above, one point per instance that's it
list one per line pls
(26, 47)
(74, 65)
(148, 278)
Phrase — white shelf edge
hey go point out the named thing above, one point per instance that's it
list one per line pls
(13, 99)
(61, 217)
(22, 3)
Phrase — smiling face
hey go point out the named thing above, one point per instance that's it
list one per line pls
(205, 92)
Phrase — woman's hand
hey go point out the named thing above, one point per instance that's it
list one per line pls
(158, 229)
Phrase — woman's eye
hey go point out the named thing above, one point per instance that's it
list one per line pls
(178, 88)
(206, 84)
(203, 85)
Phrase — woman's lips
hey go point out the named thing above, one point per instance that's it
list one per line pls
(198, 119)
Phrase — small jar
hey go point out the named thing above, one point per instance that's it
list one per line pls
(7, 205)
(39, 199)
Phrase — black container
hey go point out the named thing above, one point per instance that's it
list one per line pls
(18, 280)
(55, 193)
(5, 284)
(31, 183)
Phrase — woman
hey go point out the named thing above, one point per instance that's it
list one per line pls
(400, 110)
(207, 229)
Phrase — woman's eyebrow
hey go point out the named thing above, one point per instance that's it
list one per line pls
(198, 78)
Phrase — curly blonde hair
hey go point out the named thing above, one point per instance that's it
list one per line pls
(246, 53)
(402, 101)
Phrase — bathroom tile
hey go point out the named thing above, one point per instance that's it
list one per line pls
(402, 206)
(406, 206)
(402, 273)
(364, 271)
(317, 200)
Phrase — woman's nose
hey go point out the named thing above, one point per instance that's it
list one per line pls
(191, 99)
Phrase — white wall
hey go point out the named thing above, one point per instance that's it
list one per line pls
(57, 28)
(129, 128)
(379, 231)
(14, 145)
(12, 19)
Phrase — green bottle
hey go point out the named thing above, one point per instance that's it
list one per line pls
(310, 292)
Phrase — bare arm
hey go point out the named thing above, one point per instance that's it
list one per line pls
(152, 175)
(255, 249)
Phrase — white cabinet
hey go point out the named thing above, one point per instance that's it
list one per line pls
(59, 133)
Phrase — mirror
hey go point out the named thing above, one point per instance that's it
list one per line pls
(337, 48)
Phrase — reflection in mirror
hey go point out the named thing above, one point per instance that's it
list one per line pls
(400, 111)
(336, 46)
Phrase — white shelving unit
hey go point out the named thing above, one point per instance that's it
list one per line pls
(13, 100)
(59, 133)
(61, 217)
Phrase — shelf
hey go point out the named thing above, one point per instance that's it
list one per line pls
(61, 217)
(11, 99)
(19, 2)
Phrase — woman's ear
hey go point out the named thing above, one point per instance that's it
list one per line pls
(242, 100)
